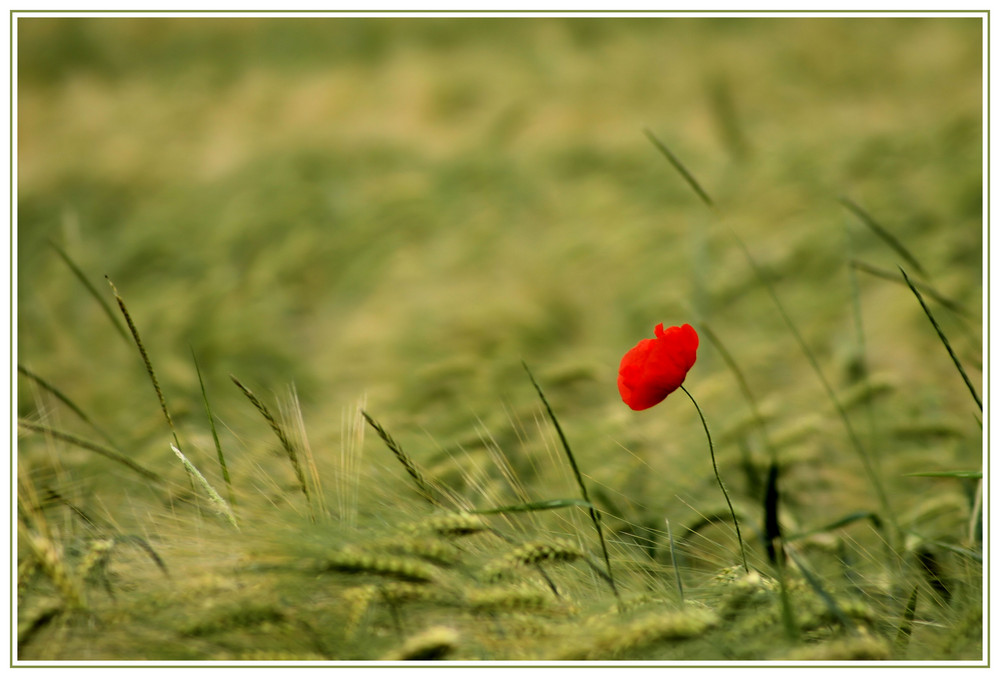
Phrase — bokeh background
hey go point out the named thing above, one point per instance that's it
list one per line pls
(402, 210)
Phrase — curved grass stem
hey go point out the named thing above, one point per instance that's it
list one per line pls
(595, 515)
(944, 340)
(715, 467)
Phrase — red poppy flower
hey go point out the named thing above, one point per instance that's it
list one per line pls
(655, 368)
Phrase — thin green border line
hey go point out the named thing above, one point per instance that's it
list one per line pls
(13, 357)
(404, 14)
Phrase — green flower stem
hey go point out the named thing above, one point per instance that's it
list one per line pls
(715, 467)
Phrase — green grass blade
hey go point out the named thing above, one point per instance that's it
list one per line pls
(787, 611)
(220, 504)
(93, 447)
(828, 600)
(425, 489)
(66, 401)
(280, 433)
(950, 304)
(144, 545)
(944, 340)
(946, 474)
(537, 506)
(215, 434)
(595, 516)
(968, 553)
(145, 361)
(290, 413)
(673, 563)
(840, 522)
(882, 233)
(687, 176)
(78, 272)
(976, 516)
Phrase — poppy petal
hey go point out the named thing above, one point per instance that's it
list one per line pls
(655, 368)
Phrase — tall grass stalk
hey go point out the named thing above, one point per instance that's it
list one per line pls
(595, 515)
(882, 233)
(787, 610)
(141, 543)
(352, 438)
(81, 276)
(93, 447)
(64, 399)
(673, 562)
(877, 272)
(425, 489)
(533, 506)
(817, 586)
(291, 415)
(215, 434)
(146, 362)
(276, 427)
(220, 503)
(944, 340)
(722, 486)
(975, 517)
(677, 165)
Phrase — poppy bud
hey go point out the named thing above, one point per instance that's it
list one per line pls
(655, 368)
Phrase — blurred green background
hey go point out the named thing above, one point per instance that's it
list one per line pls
(405, 209)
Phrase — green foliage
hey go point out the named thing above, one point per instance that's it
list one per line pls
(392, 216)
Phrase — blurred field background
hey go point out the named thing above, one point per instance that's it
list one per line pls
(397, 212)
